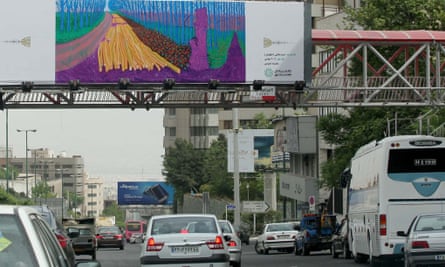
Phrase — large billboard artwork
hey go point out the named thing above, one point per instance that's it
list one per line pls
(102, 41)
(144, 193)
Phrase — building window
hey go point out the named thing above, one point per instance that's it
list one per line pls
(92, 186)
(94, 203)
(92, 195)
(171, 131)
(228, 125)
(213, 131)
(198, 111)
(171, 112)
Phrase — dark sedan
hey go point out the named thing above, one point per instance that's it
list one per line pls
(110, 237)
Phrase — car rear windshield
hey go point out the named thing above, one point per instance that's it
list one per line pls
(15, 249)
(431, 223)
(184, 225)
(113, 230)
(280, 227)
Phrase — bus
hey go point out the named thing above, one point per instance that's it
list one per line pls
(135, 227)
(388, 183)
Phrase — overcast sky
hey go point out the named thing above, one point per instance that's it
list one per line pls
(116, 144)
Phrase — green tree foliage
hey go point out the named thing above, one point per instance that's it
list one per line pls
(219, 181)
(362, 126)
(114, 210)
(183, 167)
(42, 190)
(398, 15)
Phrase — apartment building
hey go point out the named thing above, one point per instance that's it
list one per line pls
(93, 197)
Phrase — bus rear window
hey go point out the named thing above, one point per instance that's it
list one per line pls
(416, 160)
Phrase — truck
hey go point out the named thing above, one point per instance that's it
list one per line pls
(316, 230)
(105, 221)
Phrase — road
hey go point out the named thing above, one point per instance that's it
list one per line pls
(129, 257)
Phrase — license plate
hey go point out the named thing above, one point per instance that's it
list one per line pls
(439, 257)
(283, 237)
(185, 250)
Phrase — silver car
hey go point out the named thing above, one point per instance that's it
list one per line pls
(27, 240)
(277, 236)
(184, 240)
(425, 241)
(233, 242)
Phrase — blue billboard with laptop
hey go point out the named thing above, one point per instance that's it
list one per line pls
(144, 193)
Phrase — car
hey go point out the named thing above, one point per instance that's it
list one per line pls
(184, 240)
(276, 236)
(58, 229)
(110, 237)
(84, 239)
(424, 240)
(27, 240)
(339, 241)
(233, 242)
(243, 232)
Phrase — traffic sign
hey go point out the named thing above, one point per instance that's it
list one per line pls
(255, 206)
(267, 93)
(230, 207)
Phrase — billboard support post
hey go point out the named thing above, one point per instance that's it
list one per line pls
(236, 178)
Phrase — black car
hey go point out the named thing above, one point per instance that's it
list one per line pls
(243, 232)
(65, 242)
(340, 245)
(110, 237)
(84, 239)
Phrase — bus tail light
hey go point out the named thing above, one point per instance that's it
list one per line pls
(382, 223)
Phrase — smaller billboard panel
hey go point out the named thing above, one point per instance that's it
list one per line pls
(144, 193)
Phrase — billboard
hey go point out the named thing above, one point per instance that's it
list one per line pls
(102, 41)
(254, 149)
(144, 193)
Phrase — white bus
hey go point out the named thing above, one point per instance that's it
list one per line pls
(389, 182)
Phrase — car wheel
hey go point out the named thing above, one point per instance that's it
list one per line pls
(257, 249)
(236, 264)
(93, 256)
(297, 251)
(121, 247)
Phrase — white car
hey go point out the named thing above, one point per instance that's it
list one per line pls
(27, 240)
(184, 240)
(277, 236)
(233, 242)
(425, 241)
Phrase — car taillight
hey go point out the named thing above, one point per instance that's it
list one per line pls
(420, 244)
(99, 237)
(232, 243)
(62, 240)
(270, 237)
(216, 244)
(382, 222)
(152, 245)
(118, 236)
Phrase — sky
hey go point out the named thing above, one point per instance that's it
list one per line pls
(115, 144)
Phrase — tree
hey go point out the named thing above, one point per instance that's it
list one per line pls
(42, 190)
(398, 15)
(183, 167)
(360, 127)
(117, 212)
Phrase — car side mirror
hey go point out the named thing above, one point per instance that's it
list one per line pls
(401, 233)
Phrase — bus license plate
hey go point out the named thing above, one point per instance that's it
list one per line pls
(194, 250)
(440, 258)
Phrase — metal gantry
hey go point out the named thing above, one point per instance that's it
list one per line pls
(415, 82)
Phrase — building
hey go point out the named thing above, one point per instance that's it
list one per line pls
(93, 197)
(48, 167)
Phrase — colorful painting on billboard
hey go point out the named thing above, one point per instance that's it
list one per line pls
(103, 41)
(144, 193)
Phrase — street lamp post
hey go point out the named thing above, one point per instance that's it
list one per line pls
(61, 176)
(26, 154)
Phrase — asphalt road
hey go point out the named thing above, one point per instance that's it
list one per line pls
(129, 257)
